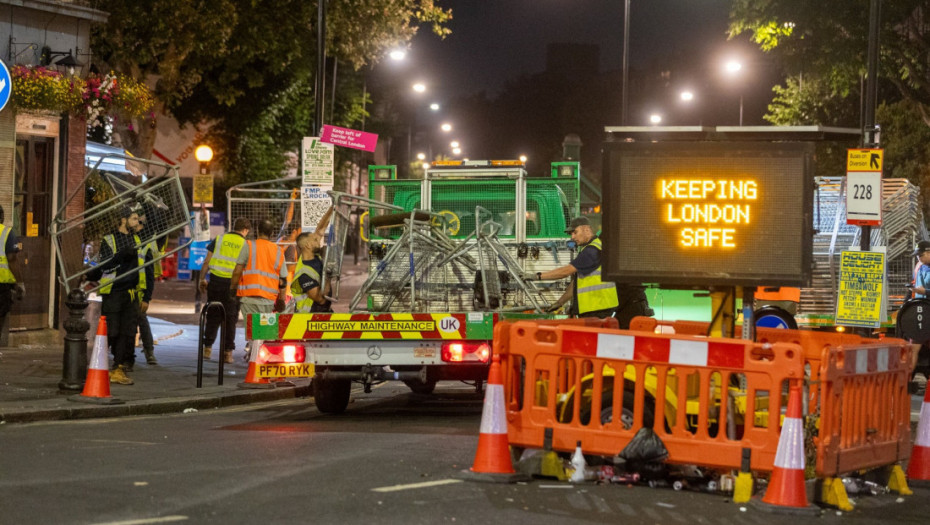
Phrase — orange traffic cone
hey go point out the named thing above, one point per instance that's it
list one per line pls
(97, 384)
(492, 459)
(786, 491)
(252, 377)
(918, 468)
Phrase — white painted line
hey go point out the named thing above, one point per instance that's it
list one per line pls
(163, 519)
(425, 484)
(556, 486)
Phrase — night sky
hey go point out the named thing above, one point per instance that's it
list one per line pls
(493, 41)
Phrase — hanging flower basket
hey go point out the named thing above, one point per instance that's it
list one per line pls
(42, 89)
(95, 97)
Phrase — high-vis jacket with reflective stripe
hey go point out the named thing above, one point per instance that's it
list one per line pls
(260, 277)
(304, 302)
(108, 277)
(226, 251)
(6, 276)
(594, 294)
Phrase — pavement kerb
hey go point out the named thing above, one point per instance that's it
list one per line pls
(79, 410)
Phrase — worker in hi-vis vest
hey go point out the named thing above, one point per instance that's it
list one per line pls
(306, 286)
(150, 252)
(10, 283)
(592, 297)
(124, 292)
(222, 254)
(260, 276)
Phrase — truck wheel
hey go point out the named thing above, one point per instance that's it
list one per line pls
(331, 395)
(419, 387)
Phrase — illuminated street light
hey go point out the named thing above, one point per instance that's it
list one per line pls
(733, 68)
(421, 156)
(419, 87)
(398, 54)
(434, 106)
(446, 127)
(655, 118)
(454, 144)
(456, 151)
(523, 159)
(687, 96)
(204, 154)
(425, 166)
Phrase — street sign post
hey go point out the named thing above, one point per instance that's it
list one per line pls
(864, 187)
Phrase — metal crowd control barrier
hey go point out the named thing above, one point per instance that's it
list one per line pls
(865, 408)
(203, 319)
(681, 386)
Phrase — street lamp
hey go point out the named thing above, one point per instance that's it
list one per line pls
(655, 118)
(456, 151)
(398, 54)
(434, 106)
(204, 154)
(733, 68)
(419, 87)
(687, 96)
(454, 144)
(446, 127)
(523, 159)
(421, 156)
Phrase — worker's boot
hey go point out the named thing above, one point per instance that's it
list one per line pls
(150, 356)
(207, 352)
(228, 356)
(118, 375)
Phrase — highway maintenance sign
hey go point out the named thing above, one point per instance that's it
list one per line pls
(864, 187)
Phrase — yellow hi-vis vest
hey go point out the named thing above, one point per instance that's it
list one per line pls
(226, 252)
(152, 247)
(6, 276)
(109, 277)
(594, 294)
(304, 302)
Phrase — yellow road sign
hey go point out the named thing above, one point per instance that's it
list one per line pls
(865, 159)
(203, 189)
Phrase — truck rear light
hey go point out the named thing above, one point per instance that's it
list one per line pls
(281, 353)
(466, 352)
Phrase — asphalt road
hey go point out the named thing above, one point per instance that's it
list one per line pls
(393, 457)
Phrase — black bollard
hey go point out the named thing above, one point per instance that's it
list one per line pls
(74, 361)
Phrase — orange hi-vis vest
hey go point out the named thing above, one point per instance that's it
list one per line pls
(260, 277)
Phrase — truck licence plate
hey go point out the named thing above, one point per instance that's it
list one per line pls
(286, 370)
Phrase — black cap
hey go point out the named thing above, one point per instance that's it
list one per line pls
(922, 246)
(576, 222)
(125, 211)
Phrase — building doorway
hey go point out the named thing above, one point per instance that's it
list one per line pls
(32, 215)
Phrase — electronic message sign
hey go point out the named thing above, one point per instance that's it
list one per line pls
(708, 213)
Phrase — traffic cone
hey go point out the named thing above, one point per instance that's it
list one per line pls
(786, 491)
(492, 459)
(252, 379)
(97, 384)
(918, 468)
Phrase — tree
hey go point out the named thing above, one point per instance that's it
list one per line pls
(829, 40)
(234, 65)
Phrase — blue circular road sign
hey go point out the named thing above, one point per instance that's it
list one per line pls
(6, 85)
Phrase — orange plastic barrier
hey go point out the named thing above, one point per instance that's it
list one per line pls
(865, 408)
(682, 386)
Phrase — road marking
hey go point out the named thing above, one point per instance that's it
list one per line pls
(395, 488)
(163, 519)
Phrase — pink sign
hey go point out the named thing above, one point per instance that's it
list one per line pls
(349, 138)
